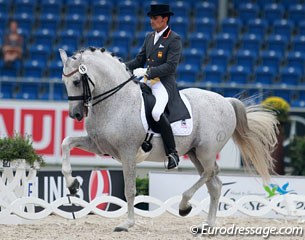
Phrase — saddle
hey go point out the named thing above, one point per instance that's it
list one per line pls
(174, 111)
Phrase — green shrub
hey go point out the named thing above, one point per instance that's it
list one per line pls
(296, 152)
(142, 186)
(18, 147)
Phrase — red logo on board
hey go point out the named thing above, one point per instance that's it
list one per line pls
(100, 185)
(7, 117)
(40, 125)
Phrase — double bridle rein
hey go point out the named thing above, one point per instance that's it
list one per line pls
(87, 96)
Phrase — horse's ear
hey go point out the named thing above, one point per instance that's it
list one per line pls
(63, 55)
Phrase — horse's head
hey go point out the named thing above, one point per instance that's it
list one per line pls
(80, 75)
(78, 84)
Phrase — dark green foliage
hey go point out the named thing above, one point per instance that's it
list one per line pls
(142, 186)
(18, 147)
(297, 156)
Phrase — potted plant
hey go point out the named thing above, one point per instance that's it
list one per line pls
(18, 149)
(17, 158)
(296, 152)
(281, 108)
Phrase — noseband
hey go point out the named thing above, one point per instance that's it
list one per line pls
(87, 96)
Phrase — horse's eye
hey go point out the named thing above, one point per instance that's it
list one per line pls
(76, 83)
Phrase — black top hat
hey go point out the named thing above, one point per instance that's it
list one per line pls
(159, 10)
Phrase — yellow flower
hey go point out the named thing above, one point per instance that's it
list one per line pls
(279, 105)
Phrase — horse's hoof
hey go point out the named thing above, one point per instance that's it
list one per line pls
(185, 212)
(74, 187)
(120, 229)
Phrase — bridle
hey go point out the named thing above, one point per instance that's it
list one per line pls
(87, 96)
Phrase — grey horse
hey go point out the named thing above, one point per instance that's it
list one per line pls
(100, 89)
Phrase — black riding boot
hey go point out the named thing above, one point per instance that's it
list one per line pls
(169, 142)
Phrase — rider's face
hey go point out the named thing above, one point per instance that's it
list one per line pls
(158, 23)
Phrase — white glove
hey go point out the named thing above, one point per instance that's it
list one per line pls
(139, 72)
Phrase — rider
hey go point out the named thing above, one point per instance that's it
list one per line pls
(161, 52)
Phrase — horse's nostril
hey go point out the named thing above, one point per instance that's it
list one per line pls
(78, 116)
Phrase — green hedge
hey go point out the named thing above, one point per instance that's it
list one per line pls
(296, 152)
(142, 186)
(18, 147)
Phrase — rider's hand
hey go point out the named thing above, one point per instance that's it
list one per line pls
(140, 72)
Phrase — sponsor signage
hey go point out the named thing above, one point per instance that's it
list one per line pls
(233, 187)
(49, 124)
(51, 185)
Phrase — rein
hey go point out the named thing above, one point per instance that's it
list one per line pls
(112, 91)
(87, 96)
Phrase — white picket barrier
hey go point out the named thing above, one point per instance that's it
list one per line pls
(17, 204)
(15, 183)
(17, 207)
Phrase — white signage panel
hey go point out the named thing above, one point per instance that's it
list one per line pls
(164, 185)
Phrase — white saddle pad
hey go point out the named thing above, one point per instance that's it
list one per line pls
(180, 128)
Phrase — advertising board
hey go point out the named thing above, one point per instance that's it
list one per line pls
(166, 185)
(49, 123)
(51, 185)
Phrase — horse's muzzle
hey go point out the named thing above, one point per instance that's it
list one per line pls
(79, 116)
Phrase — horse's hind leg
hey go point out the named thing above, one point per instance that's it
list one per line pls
(214, 187)
(206, 171)
(68, 143)
(184, 206)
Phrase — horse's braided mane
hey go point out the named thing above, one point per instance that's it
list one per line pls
(93, 49)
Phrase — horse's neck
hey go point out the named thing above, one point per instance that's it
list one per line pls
(128, 96)
(118, 108)
(109, 71)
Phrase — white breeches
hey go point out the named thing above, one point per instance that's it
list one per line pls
(161, 95)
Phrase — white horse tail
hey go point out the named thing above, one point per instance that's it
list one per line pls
(255, 135)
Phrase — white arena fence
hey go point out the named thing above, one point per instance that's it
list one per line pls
(16, 200)
(16, 179)
(17, 207)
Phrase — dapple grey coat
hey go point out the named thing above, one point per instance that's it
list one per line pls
(114, 127)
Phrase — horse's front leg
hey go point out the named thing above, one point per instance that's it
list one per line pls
(129, 171)
(68, 143)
